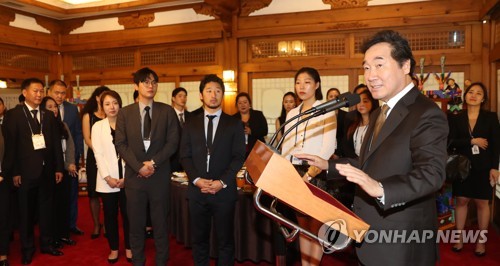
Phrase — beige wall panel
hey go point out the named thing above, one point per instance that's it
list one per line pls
(143, 37)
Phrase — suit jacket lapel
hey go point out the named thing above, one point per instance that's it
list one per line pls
(219, 131)
(396, 116)
(31, 119)
(200, 134)
(135, 117)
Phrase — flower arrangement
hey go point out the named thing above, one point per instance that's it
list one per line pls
(422, 78)
(443, 77)
(77, 93)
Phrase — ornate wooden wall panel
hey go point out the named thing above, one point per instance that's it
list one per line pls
(112, 59)
(319, 45)
(179, 55)
(17, 62)
(426, 39)
(23, 60)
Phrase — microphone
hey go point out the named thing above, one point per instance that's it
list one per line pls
(344, 99)
(348, 99)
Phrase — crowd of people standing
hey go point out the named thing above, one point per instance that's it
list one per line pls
(383, 171)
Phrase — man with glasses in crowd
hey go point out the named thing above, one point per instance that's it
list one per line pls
(147, 151)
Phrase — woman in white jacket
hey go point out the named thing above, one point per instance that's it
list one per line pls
(111, 169)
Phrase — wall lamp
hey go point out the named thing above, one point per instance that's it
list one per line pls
(228, 78)
(291, 48)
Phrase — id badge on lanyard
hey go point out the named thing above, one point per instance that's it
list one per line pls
(475, 149)
(38, 141)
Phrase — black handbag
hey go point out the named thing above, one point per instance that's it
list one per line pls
(457, 167)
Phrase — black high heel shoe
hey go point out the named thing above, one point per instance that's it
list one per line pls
(480, 254)
(115, 260)
(94, 236)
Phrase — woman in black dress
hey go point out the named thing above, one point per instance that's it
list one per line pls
(475, 132)
(91, 113)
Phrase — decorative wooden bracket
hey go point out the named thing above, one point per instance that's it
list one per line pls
(338, 4)
(136, 20)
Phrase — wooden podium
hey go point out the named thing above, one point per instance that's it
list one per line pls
(277, 176)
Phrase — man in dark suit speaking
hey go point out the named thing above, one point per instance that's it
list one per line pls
(402, 161)
(147, 134)
(34, 161)
(212, 152)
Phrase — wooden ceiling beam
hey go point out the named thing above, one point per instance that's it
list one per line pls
(112, 7)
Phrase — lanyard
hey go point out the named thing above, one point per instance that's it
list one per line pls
(297, 129)
(41, 120)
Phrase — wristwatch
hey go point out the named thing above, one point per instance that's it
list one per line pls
(223, 184)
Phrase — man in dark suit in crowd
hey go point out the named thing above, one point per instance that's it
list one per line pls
(179, 99)
(34, 160)
(403, 165)
(69, 114)
(5, 184)
(212, 152)
(147, 134)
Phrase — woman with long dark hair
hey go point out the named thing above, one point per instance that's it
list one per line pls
(91, 113)
(290, 101)
(355, 128)
(62, 189)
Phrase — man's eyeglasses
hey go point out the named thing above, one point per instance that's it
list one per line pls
(150, 83)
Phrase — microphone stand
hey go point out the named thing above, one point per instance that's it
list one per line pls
(315, 111)
(275, 135)
(283, 223)
(315, 114)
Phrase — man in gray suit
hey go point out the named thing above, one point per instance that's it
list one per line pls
(401, 165)
(147, 134)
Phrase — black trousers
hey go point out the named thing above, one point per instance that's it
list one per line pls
(5, 224)
(201, 215)
(62, 194)
(157, 195)
(112, 204)
(73, 201)
(32, 194)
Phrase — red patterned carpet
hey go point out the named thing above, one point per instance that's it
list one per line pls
(94, 252)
